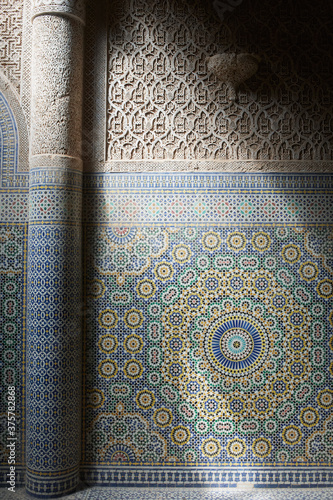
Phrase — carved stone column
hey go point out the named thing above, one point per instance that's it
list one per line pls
(54, 249)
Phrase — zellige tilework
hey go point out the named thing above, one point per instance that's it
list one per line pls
(208, 346)
(13, 255)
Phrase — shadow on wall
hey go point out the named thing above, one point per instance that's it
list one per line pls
(163, 103)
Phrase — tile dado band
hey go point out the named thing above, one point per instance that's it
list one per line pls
(219, 199)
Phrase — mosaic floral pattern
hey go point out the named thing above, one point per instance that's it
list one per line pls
(12, 313)
(221, 344)
(53, 328)
(13, 243)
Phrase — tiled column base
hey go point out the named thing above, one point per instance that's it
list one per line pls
(54, 333)
(51, 485)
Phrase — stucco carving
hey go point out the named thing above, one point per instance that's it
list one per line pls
(56, 116)
(215, 166)
(95, 85)
(11, 13)
(72, 8)
(25, 90)
(163, 105)
(233, 69)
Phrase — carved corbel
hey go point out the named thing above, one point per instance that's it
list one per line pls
(233, 70)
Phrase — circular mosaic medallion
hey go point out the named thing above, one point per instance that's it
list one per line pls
(146, 289)
(108, 319)
(309, 417)
(133, 318)
(162, 417)
(122, 235)
(325, 288)
(309, 271)
(145, 399)
(180, 435)
(211, 447)
(236, 241)
(120, 453)
(291, 435)
(233, 326)
(133, 369)
(181, 254)
(108, 368)
(236, 448)
(261, 447)
(133, 344)
(261, 241)
(211, 241)
(108, 343)
(236, 346)
(95, 398)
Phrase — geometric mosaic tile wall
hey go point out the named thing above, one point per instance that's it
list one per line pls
(12, 313)
(13, 254)
(208, 346)
(208, 298)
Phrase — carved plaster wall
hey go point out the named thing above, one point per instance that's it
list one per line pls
(56, 122)
(165, 111)
(11, 24)
(281, 122)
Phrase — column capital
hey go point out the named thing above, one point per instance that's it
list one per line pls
(71, 8)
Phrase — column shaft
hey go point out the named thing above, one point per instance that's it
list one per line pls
(54, 251)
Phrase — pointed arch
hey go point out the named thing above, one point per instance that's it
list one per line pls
(14, 142)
